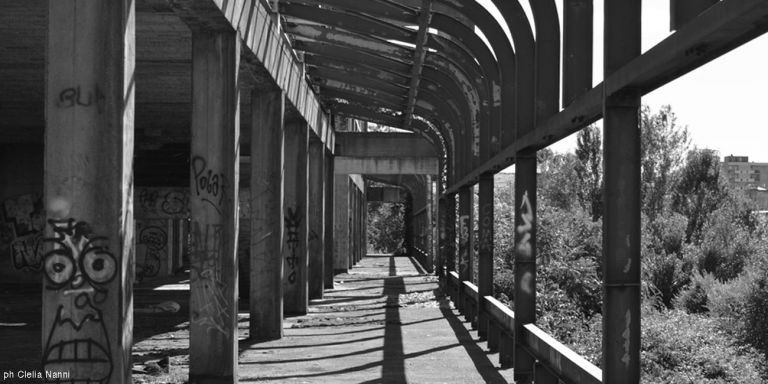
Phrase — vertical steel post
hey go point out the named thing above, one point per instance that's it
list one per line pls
(525, 260)
(450, 233)
(466, 198)
(577, 48)
(485, 254)
(621, 219)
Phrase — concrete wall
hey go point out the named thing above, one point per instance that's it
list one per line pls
(160, 215)
(22, 218)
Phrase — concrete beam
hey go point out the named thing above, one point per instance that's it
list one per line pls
(385, 194)
(369, 144)
(386, 165)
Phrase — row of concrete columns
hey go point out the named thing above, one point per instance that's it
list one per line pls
(89, 260)
(351, 217)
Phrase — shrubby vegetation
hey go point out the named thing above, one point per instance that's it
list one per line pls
(704, 258)
(385, 227)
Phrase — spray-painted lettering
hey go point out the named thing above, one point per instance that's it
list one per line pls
(76, 96)
(293, 219)
(210, 186)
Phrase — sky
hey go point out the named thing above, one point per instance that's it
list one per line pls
(723, 103)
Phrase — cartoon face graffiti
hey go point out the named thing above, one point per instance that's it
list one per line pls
(78, 267)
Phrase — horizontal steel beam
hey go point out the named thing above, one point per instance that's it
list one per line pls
(718, 30)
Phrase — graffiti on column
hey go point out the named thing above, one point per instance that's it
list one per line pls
(82, 97)
(524, 249)
(524, 230)
(151, 251)
(210, 186)
(464, 243)
(486, 228)
(292, 222)
(209, 304)
(79, 267)
(162, 202)
(21, 232)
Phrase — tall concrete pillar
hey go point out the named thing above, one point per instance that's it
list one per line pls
(89, 255)
(621, 219)
(316, 219)
(266, 288)
(525, 260)
(485, 254)
(295, 214)
(214, 173)
(329, 239)
(341, 224)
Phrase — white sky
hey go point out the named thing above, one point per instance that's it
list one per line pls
(723, 103)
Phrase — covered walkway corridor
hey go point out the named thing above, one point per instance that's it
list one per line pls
(224, 144)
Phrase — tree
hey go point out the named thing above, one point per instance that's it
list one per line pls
(556, 184)
(385, 226)
(589, 171)
(663, 144)
(699, 191)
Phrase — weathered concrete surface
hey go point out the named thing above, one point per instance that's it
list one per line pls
(382, 323)
(373, 328)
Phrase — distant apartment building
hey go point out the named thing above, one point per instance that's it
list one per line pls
(752, 178)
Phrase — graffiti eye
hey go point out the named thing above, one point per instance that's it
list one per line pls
(99, 266)
(59, 268)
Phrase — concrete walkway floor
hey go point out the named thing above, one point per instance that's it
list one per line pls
(383, 323)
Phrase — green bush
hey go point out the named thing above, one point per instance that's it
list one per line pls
(504, 284)
(755, 316)
(695, 298)
(692, 348)
(665, 259)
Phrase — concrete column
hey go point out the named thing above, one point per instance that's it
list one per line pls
(214, 172)
(525, 260)
(621, 218)
(266, 288)
(329, 222)
(341, 224)
(89, 254)
(485, 254)
(295, 213)
(316, 220)
(465, 233)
